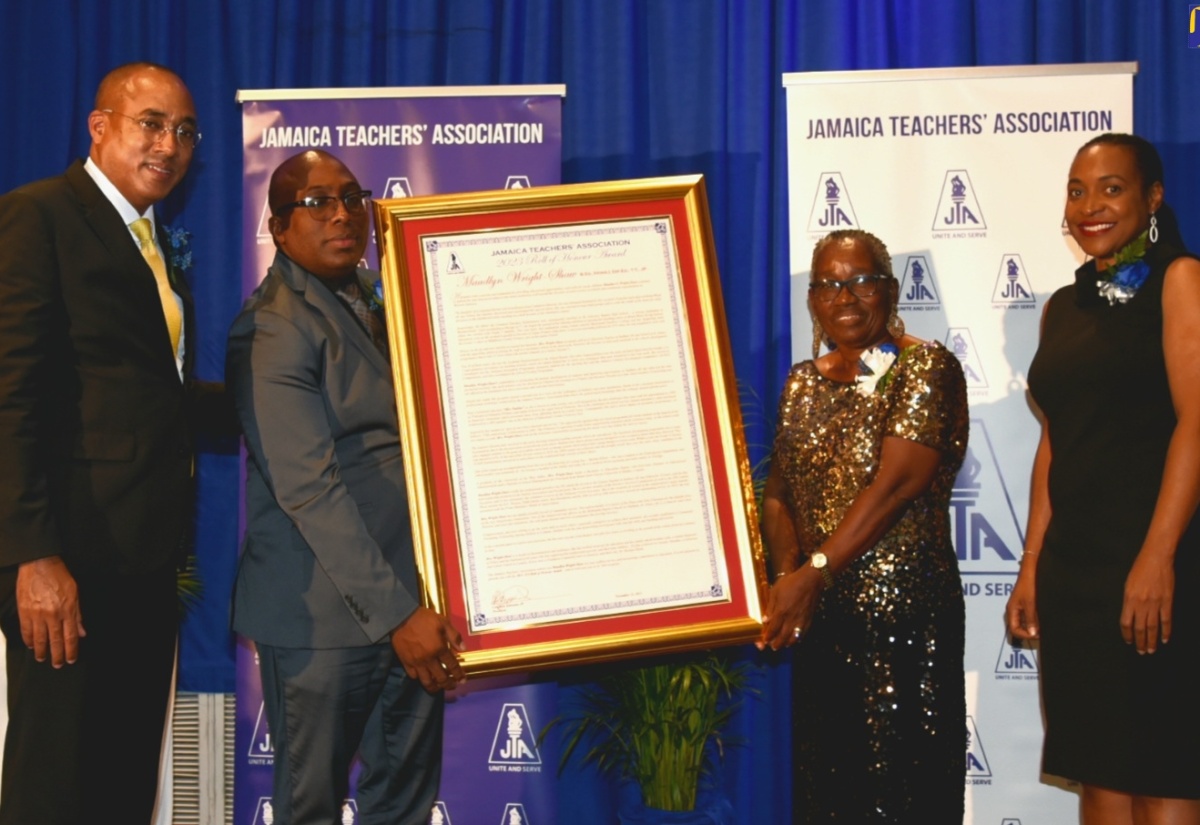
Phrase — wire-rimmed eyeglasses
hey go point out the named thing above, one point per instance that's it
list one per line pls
(156, 130)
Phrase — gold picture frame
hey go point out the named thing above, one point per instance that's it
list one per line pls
(577, 474)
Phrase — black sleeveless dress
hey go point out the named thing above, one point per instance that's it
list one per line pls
(1114, 719)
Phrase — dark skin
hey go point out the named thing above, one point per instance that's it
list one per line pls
(144, 171)
(425, 643)
(906, 469)
(1108, 205)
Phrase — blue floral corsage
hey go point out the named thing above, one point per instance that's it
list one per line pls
(179, 251)
(375, 296)
(1128, 272)
(875, 368)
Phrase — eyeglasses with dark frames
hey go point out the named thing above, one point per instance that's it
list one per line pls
(860, 286)
(156, 130)
(324, 207)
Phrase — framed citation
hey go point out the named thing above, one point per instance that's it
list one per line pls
(577, 473)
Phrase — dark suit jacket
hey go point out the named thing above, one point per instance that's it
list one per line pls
(328, 557)
(95, 443)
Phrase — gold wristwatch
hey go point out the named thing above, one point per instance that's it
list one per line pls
(820, 563)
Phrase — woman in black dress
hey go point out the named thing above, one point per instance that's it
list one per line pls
(1112, 554)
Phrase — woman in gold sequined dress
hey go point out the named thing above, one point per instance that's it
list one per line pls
(856, 520)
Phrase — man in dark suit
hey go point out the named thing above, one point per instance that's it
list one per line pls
(95, 461)
(327, 586)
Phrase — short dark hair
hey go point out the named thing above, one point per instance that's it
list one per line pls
(1150, 166)
(1145, 156)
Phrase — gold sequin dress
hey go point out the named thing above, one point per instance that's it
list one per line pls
(879, 711)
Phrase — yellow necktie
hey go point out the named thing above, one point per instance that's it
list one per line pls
(141, 228)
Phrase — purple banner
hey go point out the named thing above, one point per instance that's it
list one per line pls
(405, 143)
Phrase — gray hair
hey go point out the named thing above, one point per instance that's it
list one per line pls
(880, 258)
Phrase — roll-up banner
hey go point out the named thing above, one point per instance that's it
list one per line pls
(404, 142)
(962, 173)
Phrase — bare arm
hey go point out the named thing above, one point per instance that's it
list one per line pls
(1021, 612)
(1150, 586)
(779, 531)
(906, 470)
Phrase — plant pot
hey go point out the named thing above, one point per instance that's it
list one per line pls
(712, 808)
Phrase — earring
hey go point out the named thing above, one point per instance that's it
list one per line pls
(895, 324)
(818, 338)
(1153, 229)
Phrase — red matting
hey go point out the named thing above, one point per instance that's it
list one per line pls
(701, 299)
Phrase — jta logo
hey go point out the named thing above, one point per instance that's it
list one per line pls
(832, 208)
(514, 814)
(959, 342)
(263, 233)
(513, 743)
(517, 182)
(264, 811)
(977, 761)
(918, 289)
(958, 208)
(1012, 283)
(261, 746)
(983, 522)
(397, 187)
(1015, 659)
(439, 815)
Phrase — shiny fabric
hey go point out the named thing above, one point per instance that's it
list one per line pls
(171, 311)
(879, 714)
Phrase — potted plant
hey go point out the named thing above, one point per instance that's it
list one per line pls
(659, 727)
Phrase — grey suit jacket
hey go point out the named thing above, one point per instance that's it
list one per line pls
(328, 557)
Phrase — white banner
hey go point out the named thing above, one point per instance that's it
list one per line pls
(962, 173)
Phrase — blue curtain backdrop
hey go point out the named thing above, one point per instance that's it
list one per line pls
(655, 87)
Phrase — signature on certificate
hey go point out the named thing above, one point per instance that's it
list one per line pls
(513, 596)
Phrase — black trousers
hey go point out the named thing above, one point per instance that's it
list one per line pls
(84, 741)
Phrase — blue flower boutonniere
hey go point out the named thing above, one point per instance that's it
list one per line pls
(374, 294)
(179, 252)
(1128, 272)
(875, 368)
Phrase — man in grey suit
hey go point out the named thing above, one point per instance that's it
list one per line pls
(327, 586)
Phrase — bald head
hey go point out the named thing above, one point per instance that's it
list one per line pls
(292, 175)
(136, 143)
(329, 243)
(121, 83)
